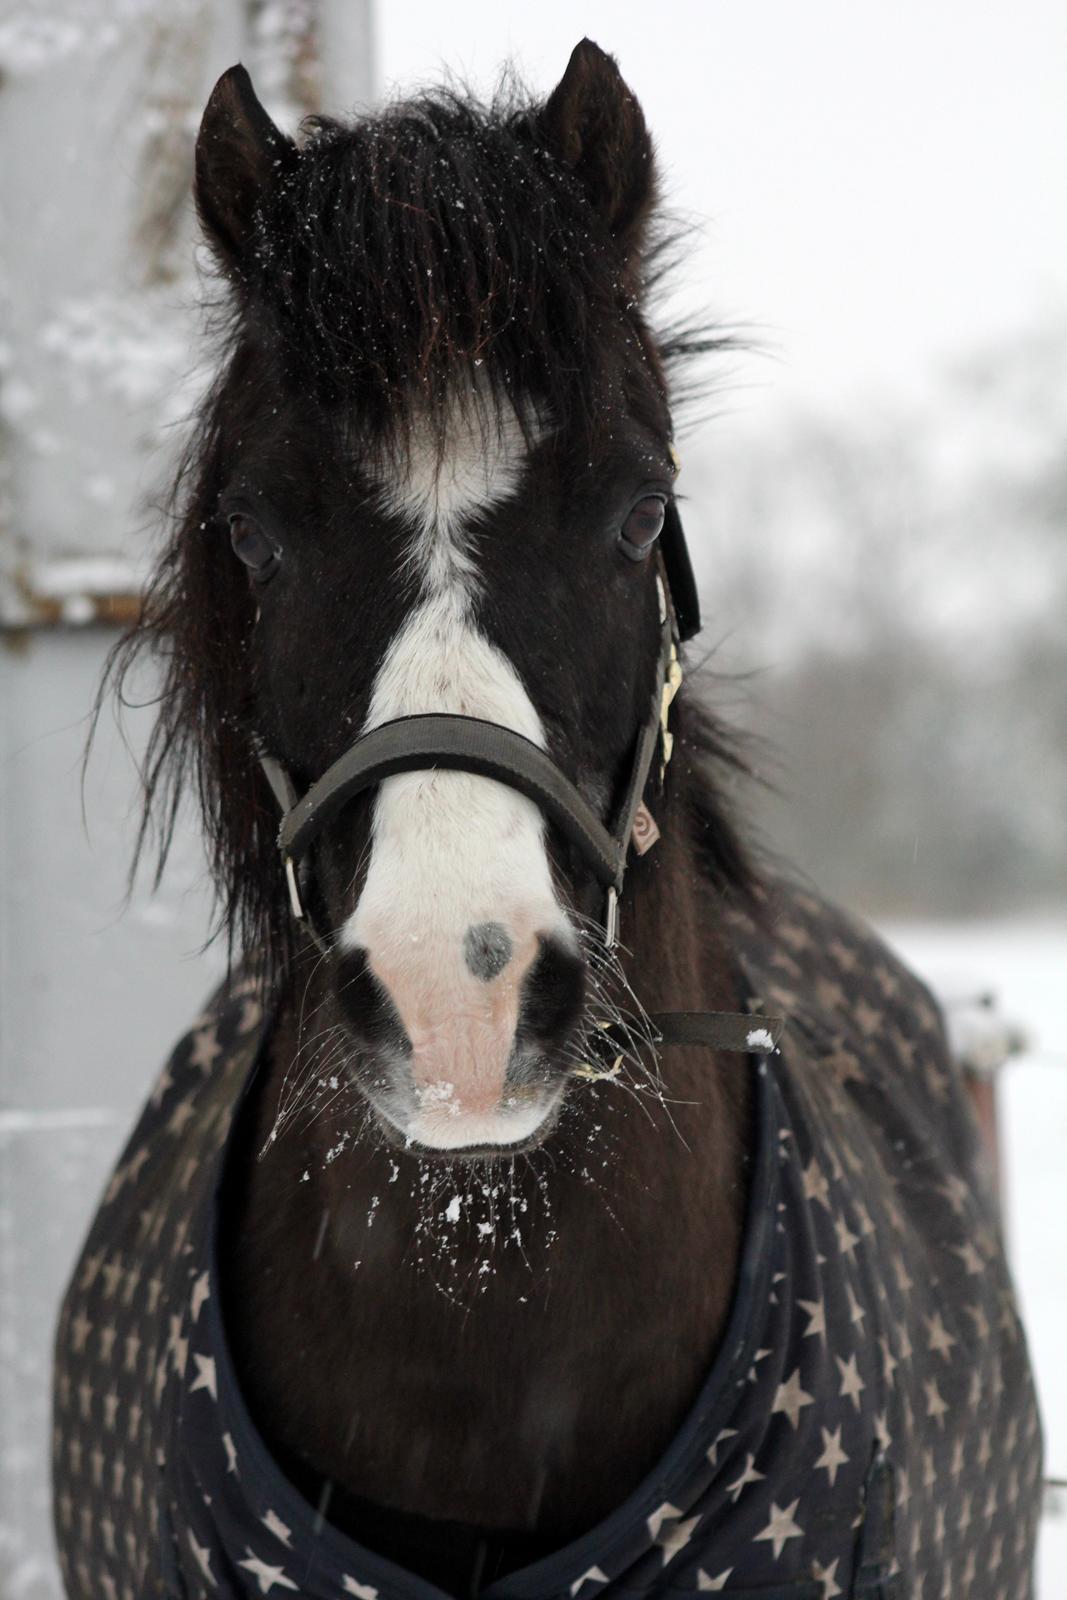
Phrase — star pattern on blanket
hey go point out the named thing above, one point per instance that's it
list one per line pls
(874, 1407)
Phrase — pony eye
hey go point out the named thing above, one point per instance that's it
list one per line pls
(643, 526)
(252, 547)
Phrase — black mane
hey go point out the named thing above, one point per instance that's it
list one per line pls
(438, 247)
(434, 250)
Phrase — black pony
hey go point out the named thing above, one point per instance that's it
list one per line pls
(448, 1258)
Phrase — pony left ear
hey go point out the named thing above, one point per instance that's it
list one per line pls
(593, 123)
(240, 155)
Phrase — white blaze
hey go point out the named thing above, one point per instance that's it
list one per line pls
(449, 850)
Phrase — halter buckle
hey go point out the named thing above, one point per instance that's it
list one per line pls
(296, 905)
(671, 684)
(611, 920)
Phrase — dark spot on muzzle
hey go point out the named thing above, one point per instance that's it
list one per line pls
(487, 949)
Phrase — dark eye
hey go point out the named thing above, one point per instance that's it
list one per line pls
(252, 546)
(643, 526)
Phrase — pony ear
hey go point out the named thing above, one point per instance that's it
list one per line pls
(593, 124)
(240, 155)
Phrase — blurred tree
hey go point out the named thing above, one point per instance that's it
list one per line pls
(898, 578)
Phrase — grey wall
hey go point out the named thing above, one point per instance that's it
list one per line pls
(99, 101)
(91, 992)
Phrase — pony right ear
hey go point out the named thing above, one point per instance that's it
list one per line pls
(240, 155)
(594, 125)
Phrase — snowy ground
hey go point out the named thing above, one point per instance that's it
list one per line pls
(1025, 963)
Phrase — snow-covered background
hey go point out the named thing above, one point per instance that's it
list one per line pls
(1026, 959)
(876, 501)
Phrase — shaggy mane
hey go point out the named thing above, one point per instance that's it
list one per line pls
(478, 260)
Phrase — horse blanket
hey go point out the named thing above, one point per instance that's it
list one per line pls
(867, 1428)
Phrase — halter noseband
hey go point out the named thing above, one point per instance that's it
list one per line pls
(488, 750)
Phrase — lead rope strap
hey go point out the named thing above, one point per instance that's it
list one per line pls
(743, 1032)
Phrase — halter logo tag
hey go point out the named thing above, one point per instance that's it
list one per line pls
(644, 833)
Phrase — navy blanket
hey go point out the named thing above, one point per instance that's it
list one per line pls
(868, 1428)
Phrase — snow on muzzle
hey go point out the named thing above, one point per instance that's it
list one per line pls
(460, 977)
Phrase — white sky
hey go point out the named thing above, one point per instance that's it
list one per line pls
(886, 184)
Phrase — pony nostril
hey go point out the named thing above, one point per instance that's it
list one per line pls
(368, 1005)
(553, 993)
(487, 949)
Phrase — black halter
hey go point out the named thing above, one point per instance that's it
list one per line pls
(470, 744)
